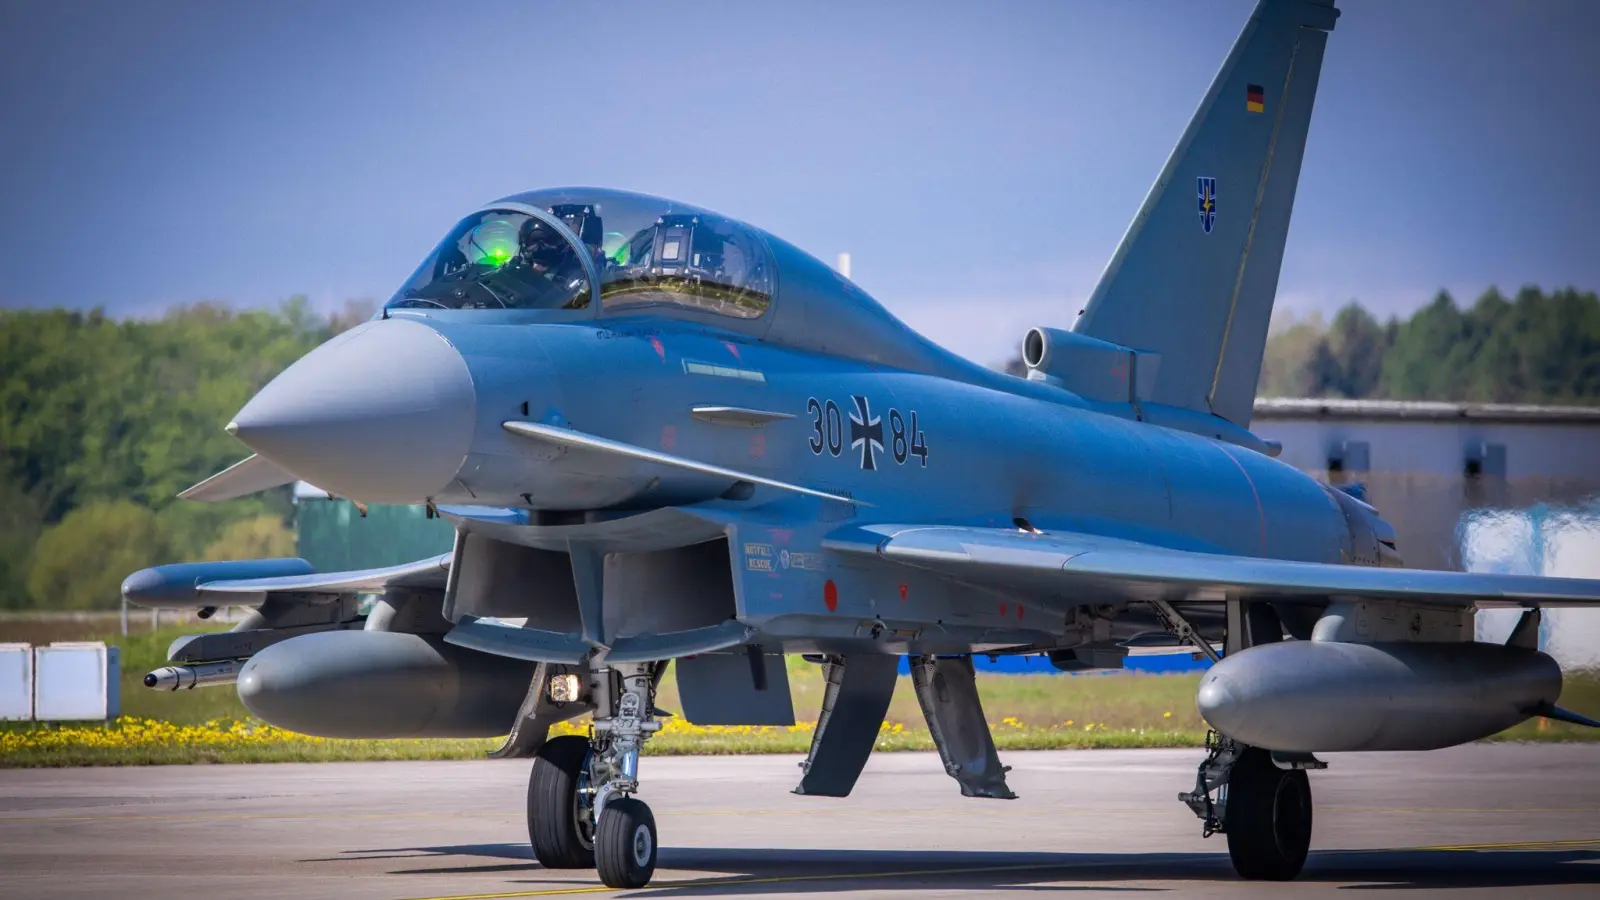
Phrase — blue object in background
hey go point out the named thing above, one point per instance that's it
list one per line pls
(1164, 663)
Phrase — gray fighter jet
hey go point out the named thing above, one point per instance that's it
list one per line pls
(662, 434)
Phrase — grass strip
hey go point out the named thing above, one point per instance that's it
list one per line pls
(1026, 712)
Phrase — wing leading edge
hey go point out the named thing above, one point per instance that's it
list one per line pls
(423, 573)
(249, 582)
(1089, 568)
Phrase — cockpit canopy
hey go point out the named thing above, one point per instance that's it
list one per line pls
(547, 249)
(499, 259)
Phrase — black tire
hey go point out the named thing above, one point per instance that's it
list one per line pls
(1268, 818)
(559, 838)
(625, 844)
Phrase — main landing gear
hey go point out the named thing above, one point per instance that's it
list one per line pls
(1261, 801)
(581, 811)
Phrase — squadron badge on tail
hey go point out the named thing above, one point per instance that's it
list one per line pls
(1206, 191)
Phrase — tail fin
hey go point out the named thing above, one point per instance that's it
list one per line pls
(1195, 276)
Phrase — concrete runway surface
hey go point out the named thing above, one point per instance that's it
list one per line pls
(1516, 820)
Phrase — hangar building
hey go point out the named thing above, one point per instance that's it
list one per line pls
(1481, 487)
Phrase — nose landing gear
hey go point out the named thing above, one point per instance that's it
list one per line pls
(581, 811)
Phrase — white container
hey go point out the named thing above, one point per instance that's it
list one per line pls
(16, 682)
(75, 681)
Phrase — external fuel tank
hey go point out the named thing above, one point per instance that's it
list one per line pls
(376, 684)
(1324, 696)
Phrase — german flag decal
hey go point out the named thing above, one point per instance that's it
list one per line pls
(1255, 99)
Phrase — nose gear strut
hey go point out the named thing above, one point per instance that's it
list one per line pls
(581, 808)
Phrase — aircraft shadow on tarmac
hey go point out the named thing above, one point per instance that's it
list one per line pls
(793, 871)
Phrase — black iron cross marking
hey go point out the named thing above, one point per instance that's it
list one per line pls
(866, 433)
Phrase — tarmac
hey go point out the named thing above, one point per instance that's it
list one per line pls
(1515, 820)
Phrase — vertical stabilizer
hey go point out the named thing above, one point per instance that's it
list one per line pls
(1194, 278)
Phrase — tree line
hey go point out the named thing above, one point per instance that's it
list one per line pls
(103, 421)
(1535, 348)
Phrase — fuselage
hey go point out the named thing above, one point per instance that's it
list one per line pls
(916, 447)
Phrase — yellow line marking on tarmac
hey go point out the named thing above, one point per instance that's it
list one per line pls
(1456, 809)
(771, 879)
(967, 870)
(797, 811)
(206, 817)
(1517, 845)
(202, 817)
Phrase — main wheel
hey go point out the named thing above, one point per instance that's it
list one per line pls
(625, 844)
(559, 824)
(1268, 818)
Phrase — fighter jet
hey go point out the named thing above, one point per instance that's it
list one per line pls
(663, 435)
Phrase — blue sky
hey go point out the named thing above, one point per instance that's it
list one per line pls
(979, 161)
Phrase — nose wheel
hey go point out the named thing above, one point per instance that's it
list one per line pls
(625, 844)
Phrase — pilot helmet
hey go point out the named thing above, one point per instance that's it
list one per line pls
(540, 244)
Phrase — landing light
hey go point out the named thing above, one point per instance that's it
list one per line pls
(563, 688)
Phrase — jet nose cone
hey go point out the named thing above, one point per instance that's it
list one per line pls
(382, 413)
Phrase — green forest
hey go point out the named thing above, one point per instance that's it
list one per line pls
(1536, 347)
(103, 421)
